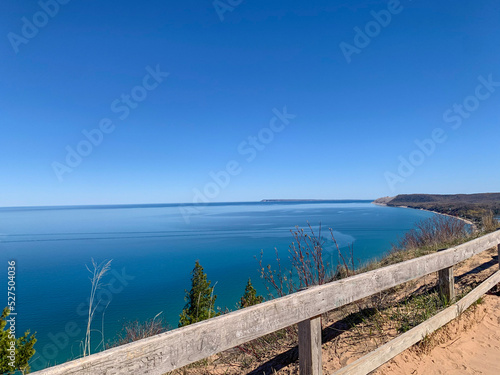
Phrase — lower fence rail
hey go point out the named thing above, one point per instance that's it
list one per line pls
(386, 352)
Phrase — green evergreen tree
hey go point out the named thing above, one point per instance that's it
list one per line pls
(250, 297)
(23, 349)
(200, 300)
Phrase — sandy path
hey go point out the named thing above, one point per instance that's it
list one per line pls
(469, 345)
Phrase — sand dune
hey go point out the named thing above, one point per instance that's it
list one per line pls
(468, 345)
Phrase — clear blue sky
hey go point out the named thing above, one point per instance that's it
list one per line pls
(358, 113)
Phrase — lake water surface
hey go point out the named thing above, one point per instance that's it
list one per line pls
(153, 250)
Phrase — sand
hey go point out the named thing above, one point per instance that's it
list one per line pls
(468, 345)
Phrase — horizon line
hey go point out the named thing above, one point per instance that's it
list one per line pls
(277, 200)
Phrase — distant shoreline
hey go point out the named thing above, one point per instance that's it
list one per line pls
(434, 212)
(385, 201)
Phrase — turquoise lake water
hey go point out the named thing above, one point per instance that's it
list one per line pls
(153, 250)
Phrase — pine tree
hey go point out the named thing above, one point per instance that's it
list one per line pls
(250, 297)
(200, 300)
(23, 349)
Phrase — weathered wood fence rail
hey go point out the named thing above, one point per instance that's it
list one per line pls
(168, 351)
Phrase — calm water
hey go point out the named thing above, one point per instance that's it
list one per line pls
(153, 251)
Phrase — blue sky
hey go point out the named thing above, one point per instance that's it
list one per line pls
(420, 70)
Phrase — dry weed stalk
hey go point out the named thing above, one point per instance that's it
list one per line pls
(97, 273)
(308, 266)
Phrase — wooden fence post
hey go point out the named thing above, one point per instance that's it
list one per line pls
(498, 257)
(447, 284)
(310, 347)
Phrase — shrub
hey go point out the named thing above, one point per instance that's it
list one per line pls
(250, 296)
(200, 300)
(435, 232)
(23, 348)
(308, 267)
(489, 222)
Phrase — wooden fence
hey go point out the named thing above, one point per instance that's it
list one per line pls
(168, 351)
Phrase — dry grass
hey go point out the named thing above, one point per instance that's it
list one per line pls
(489, 223)
(427, 237)
(133, 331)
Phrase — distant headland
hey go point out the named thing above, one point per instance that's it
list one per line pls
(469, 206)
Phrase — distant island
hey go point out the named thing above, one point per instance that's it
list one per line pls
(468, 206)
